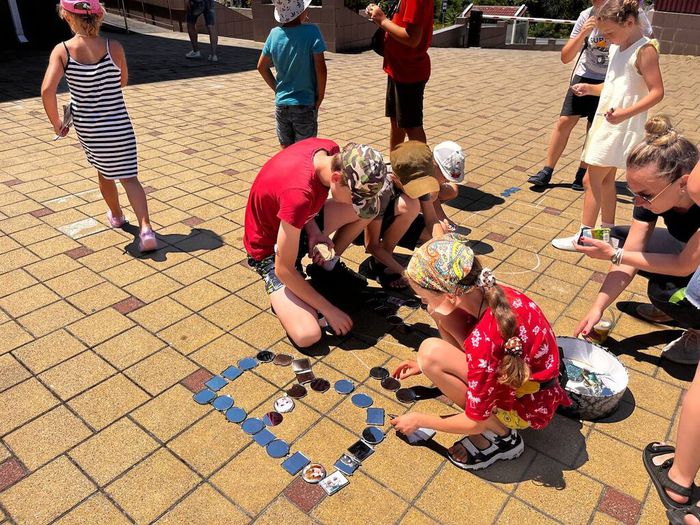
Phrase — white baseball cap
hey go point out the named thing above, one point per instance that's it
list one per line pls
(449, 157)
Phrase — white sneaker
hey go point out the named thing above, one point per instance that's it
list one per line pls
(685, 350)
(193, 54)
(213, 58)
(566, 243)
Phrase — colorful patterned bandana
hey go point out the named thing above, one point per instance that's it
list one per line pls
(440, 264)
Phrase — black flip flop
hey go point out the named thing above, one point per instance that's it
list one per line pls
(677, 516)
(659, 475)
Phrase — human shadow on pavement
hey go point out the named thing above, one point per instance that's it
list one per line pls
(473, 199)
(197, 240)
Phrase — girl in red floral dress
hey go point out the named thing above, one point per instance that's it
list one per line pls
(496, 357)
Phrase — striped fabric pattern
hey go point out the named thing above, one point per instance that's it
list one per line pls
(100, 117)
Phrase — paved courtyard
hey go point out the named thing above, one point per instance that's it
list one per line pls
(101, 350)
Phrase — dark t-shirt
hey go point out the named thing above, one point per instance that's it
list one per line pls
(681, 225)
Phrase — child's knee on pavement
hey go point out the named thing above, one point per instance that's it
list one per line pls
(305, 334)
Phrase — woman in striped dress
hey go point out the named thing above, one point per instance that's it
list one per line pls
(96, 71)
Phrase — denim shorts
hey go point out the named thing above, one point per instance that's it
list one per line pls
(201, 7)
(295, 123)
(266, 270)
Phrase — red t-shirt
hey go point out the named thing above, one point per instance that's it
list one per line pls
(286, 189)
(484, 351)
(410, 64)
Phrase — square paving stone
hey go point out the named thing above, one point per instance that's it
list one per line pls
(108, 401)
(235, 479)
(222, 352)
(199, 295)
(129, 347)
(204, 505)
(96, 510)
(113, 450)
(304, 495)
(74, 282)
(283, 511)
(46, 437)
(15, 280)
(28, 300)
(517, 513)
(49, 318)
(161, 370)
(152, 486)
(190, 271)
(47, 493)
(153, 287)
(101, 326)
(13, 336)
(209, 443)
(77, 374)
(49, 351)
(22, 403)
(11, 373)
(11, 471)
(196, 381)
(229, 312)
(160, 314)
(351, 503)
(190, 334)
(49, 268)
(97, 298)
(170, 412)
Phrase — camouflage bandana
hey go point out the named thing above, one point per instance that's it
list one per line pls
(440, 264)
(366, 176)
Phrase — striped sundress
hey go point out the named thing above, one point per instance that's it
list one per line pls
(100, 117)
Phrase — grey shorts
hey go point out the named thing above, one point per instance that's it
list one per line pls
(201, 7)
(295, 123)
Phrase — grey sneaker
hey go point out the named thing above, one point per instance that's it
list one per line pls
(685, 350)
(651, 313)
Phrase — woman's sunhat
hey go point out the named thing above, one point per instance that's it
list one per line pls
(450, 159)
(288, 10)
(82, 7)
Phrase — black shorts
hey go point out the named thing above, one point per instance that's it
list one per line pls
(404, 103)
(581, 106)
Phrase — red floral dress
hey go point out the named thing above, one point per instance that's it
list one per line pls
(484, 351)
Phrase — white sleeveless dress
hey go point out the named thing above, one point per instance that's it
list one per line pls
(609, 144)
(100, 117)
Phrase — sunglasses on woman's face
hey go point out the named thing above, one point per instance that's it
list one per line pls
(650, 198)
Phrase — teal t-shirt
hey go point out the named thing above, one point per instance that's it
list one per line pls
(292, 52)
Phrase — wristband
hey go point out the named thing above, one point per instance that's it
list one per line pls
(616, 258)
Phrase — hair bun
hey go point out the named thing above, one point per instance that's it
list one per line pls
(630, 7)
(660, 131)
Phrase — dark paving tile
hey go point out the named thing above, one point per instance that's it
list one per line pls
(77, 253)
(304, 495)
(195, 381)
(42, 212)
(620, 506)
(496, 237)
(192, 221)
(11, 471)
(552, 211)
(128, 305)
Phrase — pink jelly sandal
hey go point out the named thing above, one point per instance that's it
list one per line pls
(116, 222)
(147, 241)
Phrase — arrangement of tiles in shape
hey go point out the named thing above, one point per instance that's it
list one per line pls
(277, 448)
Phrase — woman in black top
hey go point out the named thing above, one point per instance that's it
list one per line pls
(657, 174)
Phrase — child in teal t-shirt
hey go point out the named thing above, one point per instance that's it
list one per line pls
(296, 51)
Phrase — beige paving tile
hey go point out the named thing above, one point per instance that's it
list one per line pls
(13, 336)
(161, 370)
(129, 347)
(96, 510)
(48, 268)
(199, 295)
(99, 327)
(15, 280)
(113, 450)
(222, 352)
(49, 351)
(44, 495)
(49, 318)
(350, 503)
(170, 412)
(190, 271)
(249, 391)
(108, 401)
(159, 314)
(23, 402)
(563, 494)
(262, 331)
(235, 481)
(516, 512)
(150, 488)
(97, 297)
(153, 287)
(74, 282)
(77, 374)
(282, 510)
(11, 372)
(415, 517)
(190, 334)
(46, 437)
(204, 505)
(209, 443)
(27, 300)
(229, 312)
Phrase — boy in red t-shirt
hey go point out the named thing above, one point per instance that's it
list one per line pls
(407, 64)
(288, 193)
